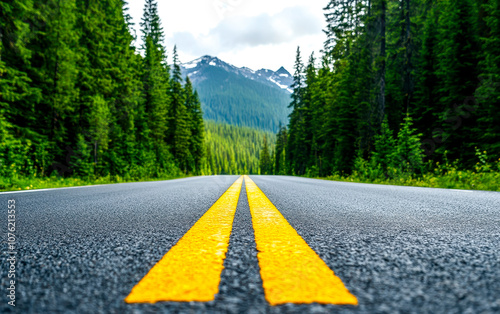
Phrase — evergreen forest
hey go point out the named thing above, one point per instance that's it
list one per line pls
(79, 100)
(235, 150)
(403, 91)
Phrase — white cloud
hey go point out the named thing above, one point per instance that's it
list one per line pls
(257, 34)
(288, 25)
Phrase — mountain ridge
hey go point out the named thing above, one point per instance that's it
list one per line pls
(239, 95)
(280, 78)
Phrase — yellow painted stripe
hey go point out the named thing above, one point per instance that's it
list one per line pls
(191, 270)
(291, 271)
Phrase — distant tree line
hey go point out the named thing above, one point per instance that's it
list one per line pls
(234, 150)
(77, 99)
(400, 83)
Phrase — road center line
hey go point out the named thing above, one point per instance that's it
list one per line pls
(191, 269)
(291, 271)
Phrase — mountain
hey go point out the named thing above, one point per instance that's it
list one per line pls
(196, 69)
(240, 96)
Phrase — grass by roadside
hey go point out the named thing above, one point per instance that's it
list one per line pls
(17, 184)
(483, 177)
(465, 181)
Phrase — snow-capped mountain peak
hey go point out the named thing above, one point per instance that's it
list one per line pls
(195, 70)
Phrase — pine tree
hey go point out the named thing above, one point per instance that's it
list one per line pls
(18, 94)
(426, 91)
(126, 96)
(195, 118)
(151, 25)
(309, 129)
(408, 81)
(179, 123)
(487, 130)
(280, 151)
(54, 70)
(319, 118)
(399, 73)
(156, 81)
(344, 19)
(296, 156)
(100, 118)
(15, 63)
(385, 150)
(233, 149)
(380, 61)
(409, 148)
(95, 86)
(457, 74)
(265, 165)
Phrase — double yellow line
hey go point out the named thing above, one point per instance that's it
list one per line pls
(291, 271)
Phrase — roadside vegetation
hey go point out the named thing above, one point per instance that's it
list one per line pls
(400, 161)
(443, 176)
(449, 175)
(406, 92)
(228, 149)
(26, 183)
(80, 105)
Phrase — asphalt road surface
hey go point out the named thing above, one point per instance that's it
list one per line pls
(397, 249)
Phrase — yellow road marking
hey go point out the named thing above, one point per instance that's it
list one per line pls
(191, 270)
(291, 271)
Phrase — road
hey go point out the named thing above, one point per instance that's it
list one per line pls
(396, 249)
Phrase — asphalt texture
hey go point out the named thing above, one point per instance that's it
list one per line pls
(397, 249)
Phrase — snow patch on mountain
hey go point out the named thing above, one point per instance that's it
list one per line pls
(280, 85)
(190, 65)
(195, 70)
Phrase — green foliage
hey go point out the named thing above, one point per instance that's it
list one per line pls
(151, 25)
(99, 126)
(392, 158)
(487, 94)
(436, 61)
(54, 68)
(385, 149)
(24, 183)
(265, 163)
(196, 128)
(438, 175)
(78, 101)
(15, 58)
(457, 55)
(298, 148)
(280, 151)
(156, 84)
(179, 130)
(232, 149)
(409, 153)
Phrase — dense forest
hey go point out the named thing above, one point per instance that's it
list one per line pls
(234, 150)
(401, 87)
(77, 99)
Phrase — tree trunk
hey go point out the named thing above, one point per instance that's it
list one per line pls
(56, 70)
(382, 56)
(408, 84)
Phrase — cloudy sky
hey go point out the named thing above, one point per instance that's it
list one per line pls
(253, 33)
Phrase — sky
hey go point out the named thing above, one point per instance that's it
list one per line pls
(252, 33)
